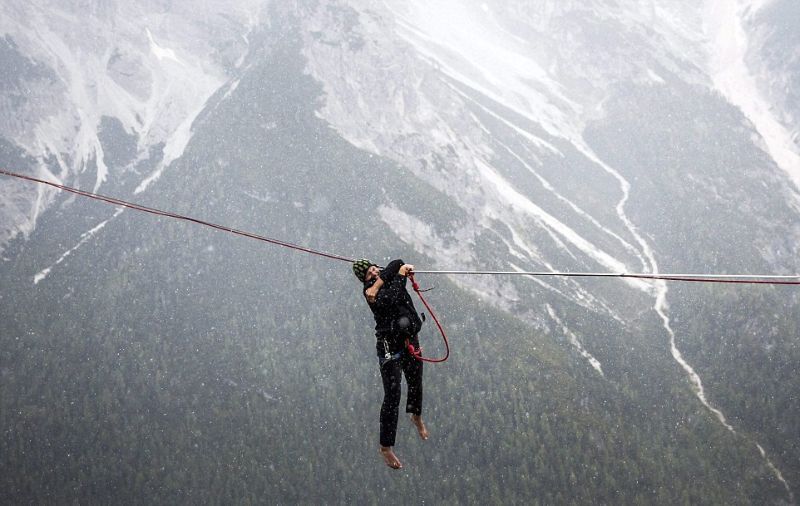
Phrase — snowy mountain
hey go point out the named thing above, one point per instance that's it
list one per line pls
(81, 78)
(656, 136)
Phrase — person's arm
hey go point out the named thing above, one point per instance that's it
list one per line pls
(395, 268)
(388, 296)
(372, 292)
(391, 270)
(394, 293)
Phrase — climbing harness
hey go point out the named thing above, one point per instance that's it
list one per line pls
(389, 355)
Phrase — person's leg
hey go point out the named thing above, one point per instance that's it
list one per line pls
(391, 375)
(412, 368)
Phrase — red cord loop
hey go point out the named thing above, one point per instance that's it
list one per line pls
(418, 354)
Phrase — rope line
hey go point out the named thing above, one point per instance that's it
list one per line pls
(418, 353)
(698, 278)
(138, 207)
(767, 279)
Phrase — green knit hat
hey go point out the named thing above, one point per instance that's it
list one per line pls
(360, 268)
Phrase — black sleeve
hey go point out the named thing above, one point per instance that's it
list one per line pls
(391, 270)
(389, 295)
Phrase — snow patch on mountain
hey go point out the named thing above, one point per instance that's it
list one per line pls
(573, 339)
(776, 472)
(386, 109)
(518, 201)
(160, 52)
(425, 240)
(153, 70)
(85, 237)
(728, 47)
(458, 38)
(445, 253)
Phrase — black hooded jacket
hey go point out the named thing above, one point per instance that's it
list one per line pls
(392, 303)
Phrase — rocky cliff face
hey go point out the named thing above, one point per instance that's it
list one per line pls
(82, 77)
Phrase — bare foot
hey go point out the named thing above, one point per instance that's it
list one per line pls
(390, 458)
(417, 421)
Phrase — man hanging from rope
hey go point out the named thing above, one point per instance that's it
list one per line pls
(396, 321)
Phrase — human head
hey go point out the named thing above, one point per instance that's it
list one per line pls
(360, 268)
(372, 274)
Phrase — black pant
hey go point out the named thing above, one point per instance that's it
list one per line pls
(391, 371)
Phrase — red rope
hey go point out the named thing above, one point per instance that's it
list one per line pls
(138, 207)
(711, 280)
(418, 353)
(158, 212)
(415, 353)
